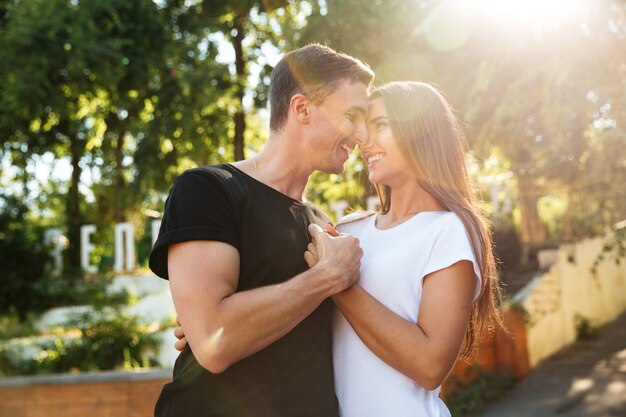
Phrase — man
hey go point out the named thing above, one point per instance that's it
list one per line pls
(232, 244)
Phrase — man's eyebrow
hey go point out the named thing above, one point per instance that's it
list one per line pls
(359, 109)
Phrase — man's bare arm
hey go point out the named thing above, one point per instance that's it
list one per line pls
(223, 326)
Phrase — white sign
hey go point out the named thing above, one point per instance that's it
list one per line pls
(86, 247)
(124, 246)
(125, 240)
(54, 238)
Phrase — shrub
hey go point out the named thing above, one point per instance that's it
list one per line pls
(508, 245)
(585, 329)
(102, 340)
(467, 398)
(24, 261)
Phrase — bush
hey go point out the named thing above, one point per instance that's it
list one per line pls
(12, 326)
(508, 246)
(102, 340)
(585, 329)
(24, 261)
(467, 398)
(61, 292)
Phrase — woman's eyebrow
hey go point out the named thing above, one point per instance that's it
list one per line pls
(374, 120)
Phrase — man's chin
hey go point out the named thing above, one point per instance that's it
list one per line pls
(337, 168)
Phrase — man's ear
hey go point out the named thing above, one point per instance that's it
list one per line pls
(299, 107)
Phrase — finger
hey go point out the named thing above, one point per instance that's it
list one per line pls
(310, 258)
(315, 231)
(330, 229)
(312, 247)
(180, 344)
(178, 321)
(179, 333)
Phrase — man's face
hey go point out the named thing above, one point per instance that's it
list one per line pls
(339, 125)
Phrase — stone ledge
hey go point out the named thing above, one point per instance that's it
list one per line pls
(82, 378)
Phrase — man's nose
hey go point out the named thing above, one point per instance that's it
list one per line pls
(361, 136)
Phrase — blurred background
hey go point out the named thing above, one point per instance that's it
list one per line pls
(104, 104)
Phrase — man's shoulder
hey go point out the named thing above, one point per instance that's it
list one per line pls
(224, 175)
(218, 172)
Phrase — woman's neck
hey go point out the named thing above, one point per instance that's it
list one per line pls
(406, 201)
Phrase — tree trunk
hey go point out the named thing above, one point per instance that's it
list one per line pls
(74, 216)
(240, 66)
(119, 179)
(533, 231)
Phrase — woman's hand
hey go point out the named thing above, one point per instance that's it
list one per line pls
(310, 256)
(180, 335)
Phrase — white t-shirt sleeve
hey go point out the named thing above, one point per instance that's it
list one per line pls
(451, 245)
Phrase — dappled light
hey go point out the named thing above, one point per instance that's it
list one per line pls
(103, 105)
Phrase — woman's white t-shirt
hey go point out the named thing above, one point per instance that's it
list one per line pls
(392, 268)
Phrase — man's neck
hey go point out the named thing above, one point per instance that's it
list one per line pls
(280, 166)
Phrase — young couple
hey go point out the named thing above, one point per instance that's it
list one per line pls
(282, 315)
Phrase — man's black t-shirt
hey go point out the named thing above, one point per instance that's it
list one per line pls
(293, 377)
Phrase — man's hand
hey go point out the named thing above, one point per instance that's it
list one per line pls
(180, 335)
(338, 255)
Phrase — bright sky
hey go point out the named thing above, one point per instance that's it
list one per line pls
(451, 22)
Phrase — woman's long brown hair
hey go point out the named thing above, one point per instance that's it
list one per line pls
(429, 137)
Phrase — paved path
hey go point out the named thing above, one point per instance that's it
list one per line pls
(587, 379)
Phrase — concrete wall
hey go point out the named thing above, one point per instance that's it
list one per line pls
(570, 288)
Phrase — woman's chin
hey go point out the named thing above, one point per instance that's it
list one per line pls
(373, 178)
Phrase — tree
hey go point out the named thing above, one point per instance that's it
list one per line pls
(525, 96)
(41, 93)
(103, 81)
(246, 25)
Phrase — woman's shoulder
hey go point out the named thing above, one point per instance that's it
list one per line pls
(450, 217)
(450, 226)
(354, 217)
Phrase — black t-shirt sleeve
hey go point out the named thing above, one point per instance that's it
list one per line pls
(198, 208)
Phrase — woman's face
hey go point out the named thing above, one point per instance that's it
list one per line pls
(383, 158)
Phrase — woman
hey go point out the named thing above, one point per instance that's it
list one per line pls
(428, 282)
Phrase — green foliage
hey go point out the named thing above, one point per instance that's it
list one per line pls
(133, 93)
(12, 325)
(324, 189)
(61, 292)
(105, 339)
(508, 246)
(585, 329)
(615, 247)
(129, 92)
(23, 259)
(467, 398)
(557, 125)
(27, 287)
